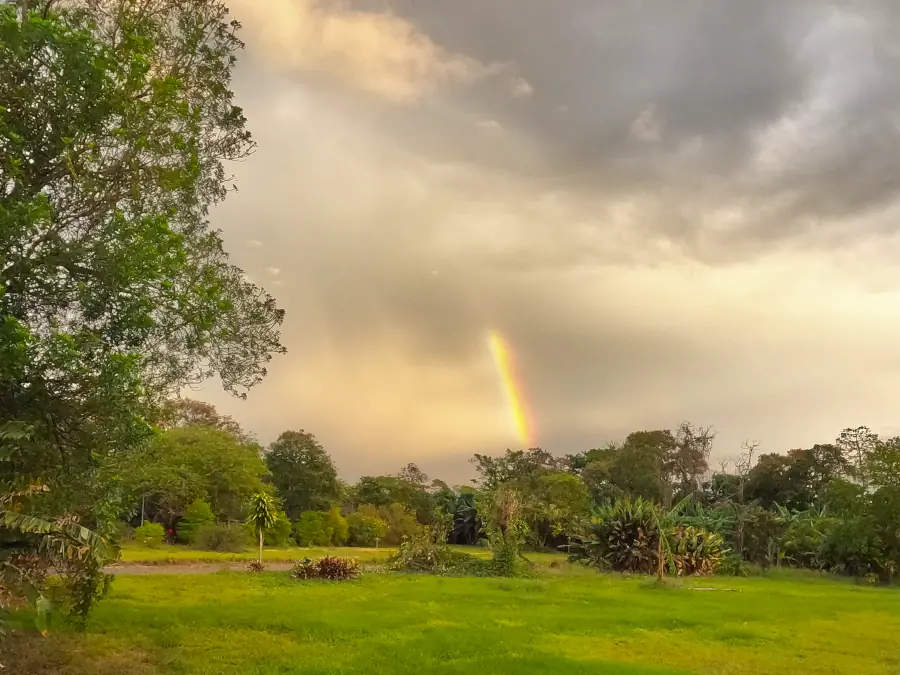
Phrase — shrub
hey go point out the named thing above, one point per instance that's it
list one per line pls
(694, 551)
(401, 522)
(622, 537)
(338, 525)
(124, 532)
(313, 529)
(196, 516)
(255, 566)
(365, 528)
(625, 537)
(150, 535)
(280, 533)
(329, 567)
(226, 538)
(853, 547)
(424, 552)
(802, 541)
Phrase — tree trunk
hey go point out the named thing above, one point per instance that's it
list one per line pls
(660, 571)
(260, 545)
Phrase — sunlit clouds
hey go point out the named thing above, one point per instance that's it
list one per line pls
(696, 222)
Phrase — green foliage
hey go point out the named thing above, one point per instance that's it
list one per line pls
(332, 568)
(804, 534)
(408, 489)
(312, 529)
(280, 533)
(263, 514)
(506, 530)
(882, 466)
(42, 559)
(428, 551)
(401, 522)
(124, 532)
(150, 534)
(340, 530)
(798, 480)
(222, 537)
(302, 473)
(115, 290)
(365, 527)
(558, 504)
(197, 515)
(693, 551)
(630, 535)
(185, 464)
(623, 536)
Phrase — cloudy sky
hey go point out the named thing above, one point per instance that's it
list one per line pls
(673, 209)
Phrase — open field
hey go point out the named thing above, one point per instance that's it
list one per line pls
(578, 622)
(167, 554)
(181, 555)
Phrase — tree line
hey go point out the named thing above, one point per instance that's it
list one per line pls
(831, 506)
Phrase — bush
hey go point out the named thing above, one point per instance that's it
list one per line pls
(280, 534)
(329, 567)
(401, 522)
(338, 525)
(365, 529)
(227, 538)
(694, 551)
(803, 539)
(196, 516)
(622, 537)
(150, 535)
(124, 532)
(313, 529)
(625, 537)
(425, 553)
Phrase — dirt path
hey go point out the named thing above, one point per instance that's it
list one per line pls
(190, 568)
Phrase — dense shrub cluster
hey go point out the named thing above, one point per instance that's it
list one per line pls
(424, 552)
(150, 535)
(198, 515)
(638, 536)
(333, 568)
(693, 551)
(224, 538)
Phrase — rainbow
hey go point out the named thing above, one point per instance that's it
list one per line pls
(519, 414)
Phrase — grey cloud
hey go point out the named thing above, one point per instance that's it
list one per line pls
(720, 77)
(706, 271)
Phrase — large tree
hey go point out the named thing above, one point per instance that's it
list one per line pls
(116, 117)
(302, 472)
(188, 463)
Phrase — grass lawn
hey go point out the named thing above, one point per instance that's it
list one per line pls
(166, 554)
(175, 555)
(573, 621)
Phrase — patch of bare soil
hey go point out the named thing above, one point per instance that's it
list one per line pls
(191, 568)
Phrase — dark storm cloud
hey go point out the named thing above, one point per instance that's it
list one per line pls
(712, 79)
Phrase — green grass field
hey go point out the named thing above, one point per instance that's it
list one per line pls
(573, 621)
(166, 555)
(182, 555)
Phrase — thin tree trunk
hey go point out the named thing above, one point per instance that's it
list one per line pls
(260, 545)
(660, 572)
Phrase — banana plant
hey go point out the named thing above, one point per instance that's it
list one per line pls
(32, 547)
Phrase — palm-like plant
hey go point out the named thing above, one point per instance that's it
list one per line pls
(263, 514)
(33, 548)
